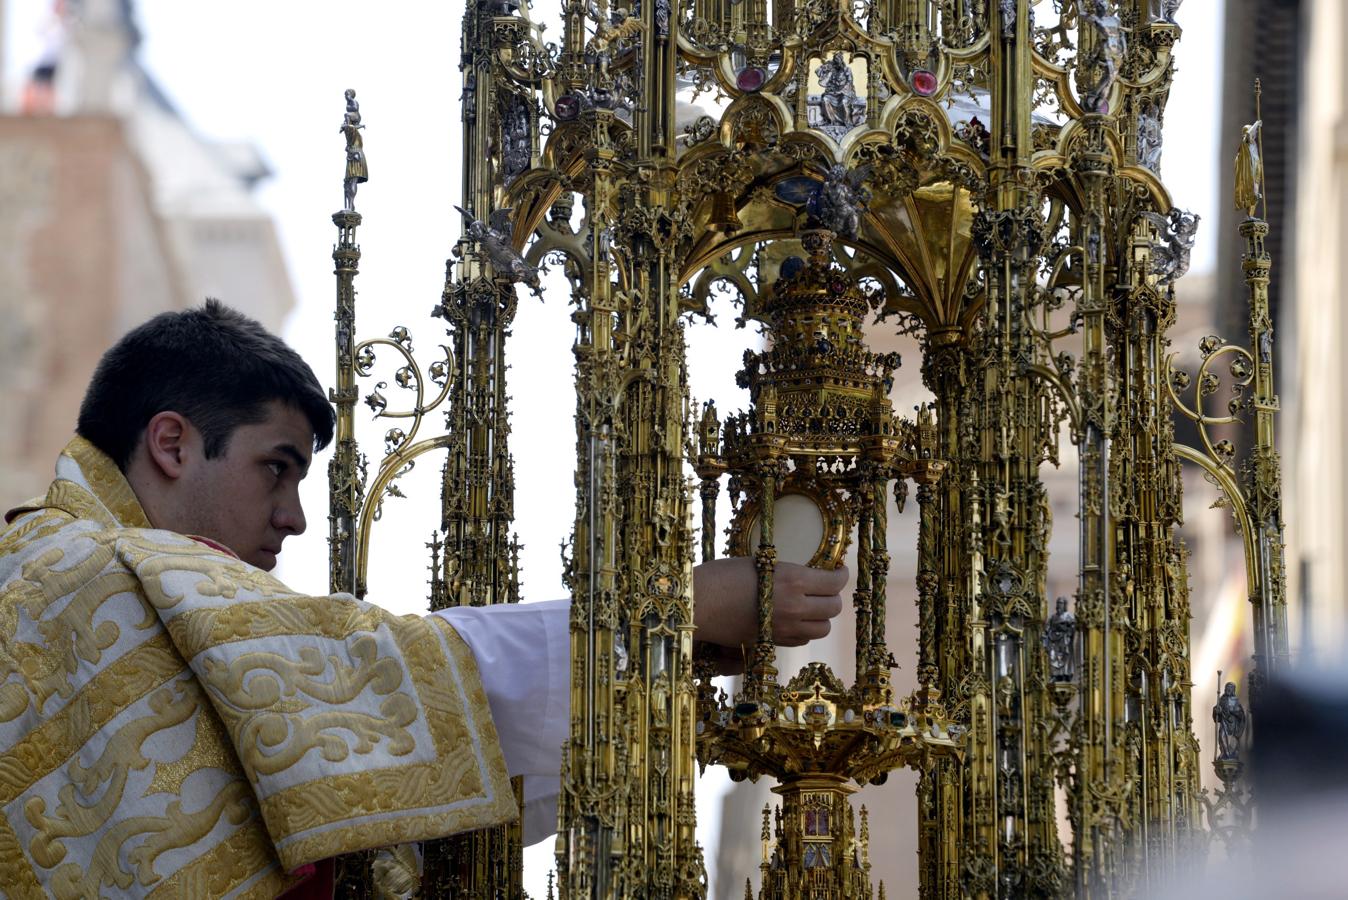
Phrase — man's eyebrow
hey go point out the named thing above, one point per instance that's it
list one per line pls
(301, 461)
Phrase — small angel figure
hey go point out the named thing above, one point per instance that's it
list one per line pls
(1170, 255)
(840, 200)
(609, 32)
(495, 240)
(1249, 169)
(975, 134)
(356, 171)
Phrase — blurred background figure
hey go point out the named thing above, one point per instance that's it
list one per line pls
(1299, 774)
(39, 91)
(116, 208)
(1300, 759)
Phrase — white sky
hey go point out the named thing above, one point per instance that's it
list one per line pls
(273, 73)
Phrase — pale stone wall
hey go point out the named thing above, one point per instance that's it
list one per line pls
(236, 258)
(83, 257)
(1313, 429)
(111, 212)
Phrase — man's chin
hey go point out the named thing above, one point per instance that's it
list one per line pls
(264, 560)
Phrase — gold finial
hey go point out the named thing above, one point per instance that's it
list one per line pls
(357, 171)
(866, 840)
(767, 831)
(1250, 161)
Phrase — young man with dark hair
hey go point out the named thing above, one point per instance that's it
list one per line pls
(218, 446)
(175, 720)
(237, 366)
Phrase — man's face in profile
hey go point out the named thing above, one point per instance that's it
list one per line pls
(248, 497)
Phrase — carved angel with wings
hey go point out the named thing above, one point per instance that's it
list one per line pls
(610, 31)
(1170, 254)
(839, 201)
(495, 241)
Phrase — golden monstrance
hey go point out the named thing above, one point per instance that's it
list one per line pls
(982, 176)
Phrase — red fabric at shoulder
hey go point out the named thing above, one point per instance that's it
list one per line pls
(214, 545)
(318, 886)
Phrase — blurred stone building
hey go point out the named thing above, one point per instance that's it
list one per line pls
(1314, 427)
(111, 209)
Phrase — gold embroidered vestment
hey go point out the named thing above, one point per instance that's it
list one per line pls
(176, 722)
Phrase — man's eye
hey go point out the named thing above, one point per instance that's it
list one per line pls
(277, 468)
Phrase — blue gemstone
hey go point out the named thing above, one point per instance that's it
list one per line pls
(791, 266)
(797, 191)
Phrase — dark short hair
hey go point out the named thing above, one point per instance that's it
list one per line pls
(214, 365)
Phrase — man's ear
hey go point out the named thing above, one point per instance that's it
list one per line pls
(166, 438)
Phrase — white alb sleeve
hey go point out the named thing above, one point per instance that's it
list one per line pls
(523, 654)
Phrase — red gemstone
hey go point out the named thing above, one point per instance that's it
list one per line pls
(568, 107)
(924, 82)
(751, 78)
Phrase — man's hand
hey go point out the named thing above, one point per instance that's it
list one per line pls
(725, 595)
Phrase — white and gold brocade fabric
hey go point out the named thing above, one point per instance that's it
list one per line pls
(176, 722)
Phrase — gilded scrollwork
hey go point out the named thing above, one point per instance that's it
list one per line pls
(989, 173)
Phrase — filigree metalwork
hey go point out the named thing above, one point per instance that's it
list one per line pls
(989, 175)
(819, 428)
(401, 448)
(476, 560)
(1206, 387)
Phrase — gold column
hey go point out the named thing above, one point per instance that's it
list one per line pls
(345, 479)
(1263, 475)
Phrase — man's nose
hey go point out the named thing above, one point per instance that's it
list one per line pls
(289, 517)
